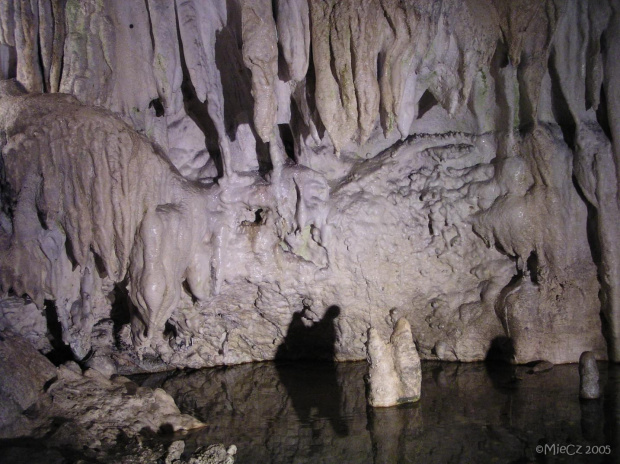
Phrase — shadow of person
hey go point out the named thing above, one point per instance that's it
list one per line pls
(498, 364)
(307, 369)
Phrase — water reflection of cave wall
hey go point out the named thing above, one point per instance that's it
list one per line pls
(473, 412)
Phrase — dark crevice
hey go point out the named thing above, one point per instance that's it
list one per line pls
(61, 69)
(287, 140)
(274, 10)
(310, 92)
(8, 196)
(99, 264)
(44, 85)
(560, 107)
(148, 13)
(602, 116)
(170, 331)
(283, 71)
(236, 81)
(70, 253)
(526, 105)
(500, 61)
(41, 218)
(158, 107)
(61, 352)
(188, 290)
(501, 350)
(431, 231)
(121, 307)
(259, 216)
(532, 267)
(58, 42)
(426, 103)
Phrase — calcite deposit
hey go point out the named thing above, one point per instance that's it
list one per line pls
(589, 388)
(67, 409)
(394, 369)
(179, 179)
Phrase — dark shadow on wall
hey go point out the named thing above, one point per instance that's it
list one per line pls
(312, 381)
(497, 364)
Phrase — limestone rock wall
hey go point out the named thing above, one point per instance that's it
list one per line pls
(226, 171)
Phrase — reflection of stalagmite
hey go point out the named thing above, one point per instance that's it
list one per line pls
(394, 373)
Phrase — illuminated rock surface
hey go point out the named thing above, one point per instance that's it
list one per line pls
(394, 370)
(182, 182)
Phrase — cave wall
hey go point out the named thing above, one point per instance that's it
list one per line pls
(180, 179)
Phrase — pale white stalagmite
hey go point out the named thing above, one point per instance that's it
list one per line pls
(406, 361)
(589, 388)
(384, 388)
(394, 369)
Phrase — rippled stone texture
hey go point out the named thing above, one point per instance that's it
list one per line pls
(454, 162)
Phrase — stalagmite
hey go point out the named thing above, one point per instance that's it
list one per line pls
(589, 388)
(394, 371)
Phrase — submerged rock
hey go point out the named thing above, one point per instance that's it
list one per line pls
(589, 388)
(394, 372)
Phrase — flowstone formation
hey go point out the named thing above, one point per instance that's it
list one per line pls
(394, 369)
(180, 178)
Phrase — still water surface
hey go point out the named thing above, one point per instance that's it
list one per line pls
(469, 413)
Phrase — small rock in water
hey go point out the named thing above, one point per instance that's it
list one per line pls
(588, 373)
(394, 372)
(214, 454)
(541, 366)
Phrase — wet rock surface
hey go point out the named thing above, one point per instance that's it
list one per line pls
(59, 414)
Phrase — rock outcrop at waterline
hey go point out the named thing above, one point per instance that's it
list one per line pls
(81, 413)
(451, 162)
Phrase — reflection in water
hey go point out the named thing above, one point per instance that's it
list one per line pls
(468, 413)
(611, 401)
